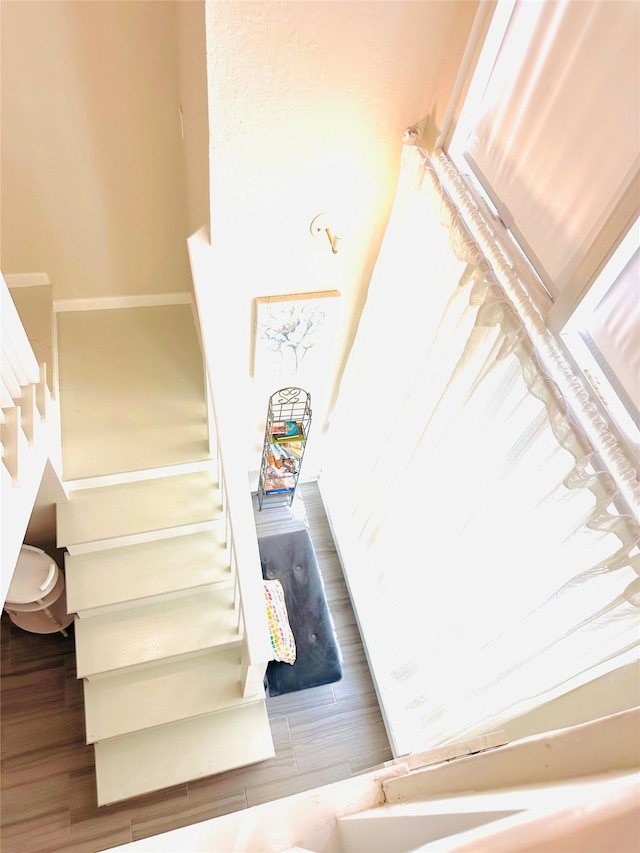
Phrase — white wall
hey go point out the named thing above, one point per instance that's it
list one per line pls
(93, 188)
(307, 106)
(307, 103)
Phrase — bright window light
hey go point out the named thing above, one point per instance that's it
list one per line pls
(603, 337)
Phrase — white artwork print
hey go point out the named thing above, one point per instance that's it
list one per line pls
(295, 335)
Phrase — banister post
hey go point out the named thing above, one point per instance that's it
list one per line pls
(42, 394)
(11, 442)
(28, 412)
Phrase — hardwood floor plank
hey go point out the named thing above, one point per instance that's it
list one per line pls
(36, 648)
(356, 682)
(84, 809)
(343, 616)
(74, 691)
(164, 821)
(36, 836)
(357, 679)
(34, 809)
(5, 645)
(372, 759)
(283, 765)
(38, 730)
(257, 794)
(314, 697)
(47, 682)
(214, 788)
(36, 746)
(353, 728)
(74, 842)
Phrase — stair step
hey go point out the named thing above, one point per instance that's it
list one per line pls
(169, 755)
(98, 517)
(156, 632)
(118, 577)
(188, 687)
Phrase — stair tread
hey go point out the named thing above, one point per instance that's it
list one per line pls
(135, 700)
(141, 506)
(155, 631)
(124, 574)
(169, 755)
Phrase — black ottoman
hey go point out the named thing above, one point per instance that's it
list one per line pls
(290, 558)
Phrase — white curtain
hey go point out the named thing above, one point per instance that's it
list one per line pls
(488, 564)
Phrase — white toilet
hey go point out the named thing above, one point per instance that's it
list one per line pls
(36, 600)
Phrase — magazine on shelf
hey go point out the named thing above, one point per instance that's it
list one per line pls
(282, 466)
(281, 457)
(287, 431)
(293, 449)
(278, 481)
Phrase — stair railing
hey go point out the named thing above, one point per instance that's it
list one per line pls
(224, 390)
(244, 556)
(30, 429)
(19, 378)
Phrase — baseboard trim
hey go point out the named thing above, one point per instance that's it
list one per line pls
(99, 303)
(387, 716)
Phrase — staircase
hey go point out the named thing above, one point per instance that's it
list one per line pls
(165, 596)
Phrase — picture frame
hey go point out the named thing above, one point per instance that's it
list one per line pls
(294, 337)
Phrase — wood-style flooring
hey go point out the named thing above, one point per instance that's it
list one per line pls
(48, 800)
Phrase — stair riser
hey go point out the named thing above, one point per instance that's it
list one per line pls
(115, 576)
(130, 511)
(176, 753)
(160, 661)
(150, 536)
(150, 599)
(179, 719)
(160, 631)
(133, 702)
(135, 476)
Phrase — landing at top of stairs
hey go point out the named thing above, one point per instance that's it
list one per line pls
(132, 390)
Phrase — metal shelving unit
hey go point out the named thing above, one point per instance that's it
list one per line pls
(285, 438)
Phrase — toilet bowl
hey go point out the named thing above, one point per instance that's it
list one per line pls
(36, 599)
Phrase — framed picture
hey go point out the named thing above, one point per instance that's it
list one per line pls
(295, 338)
